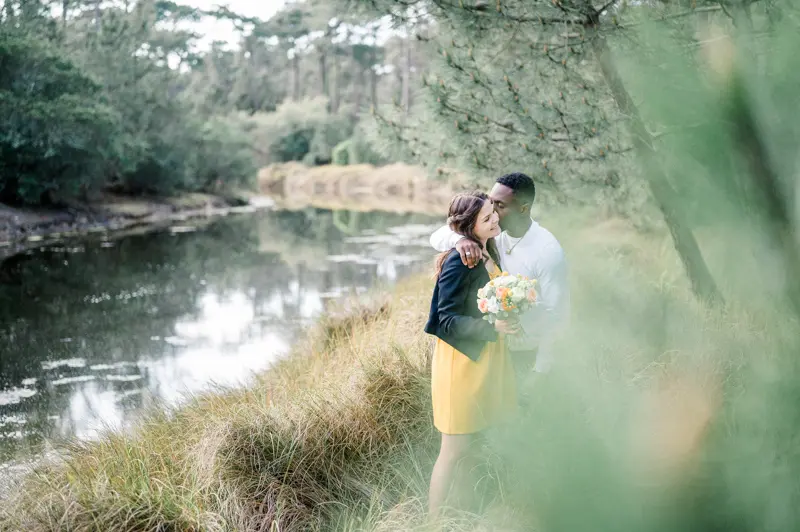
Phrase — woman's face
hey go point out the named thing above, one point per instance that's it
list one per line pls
(487, 224)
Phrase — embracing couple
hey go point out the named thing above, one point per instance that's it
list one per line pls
(476, 364)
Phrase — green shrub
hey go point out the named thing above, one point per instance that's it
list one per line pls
(298, 131)
(192, 155)
(329, 133)
(361, 152)
(57, 137)
(61, 139)
(356, 150)
(292, 147)
(341, 153)
(223, 156)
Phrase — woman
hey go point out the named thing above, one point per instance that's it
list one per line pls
(472, 378)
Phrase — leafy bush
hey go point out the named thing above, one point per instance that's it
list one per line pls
(327, 135)
(341, 153)
(223, 155)
(292, 147)
(298, 131)
(61, 138)
(356, 150)
(160, 164)
(192, 155)
(57, 138)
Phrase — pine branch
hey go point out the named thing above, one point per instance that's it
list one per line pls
(566, 128)
(505, 126)
(673, 16)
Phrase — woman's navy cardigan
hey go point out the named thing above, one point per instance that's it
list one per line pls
(454, 315)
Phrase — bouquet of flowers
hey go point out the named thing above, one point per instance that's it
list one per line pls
(506, 295)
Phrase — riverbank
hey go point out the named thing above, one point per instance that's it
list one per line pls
(398, 187)
(338, 436)
(23, 228)
(279, 450)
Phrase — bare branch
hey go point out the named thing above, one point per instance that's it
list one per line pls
(601, 10)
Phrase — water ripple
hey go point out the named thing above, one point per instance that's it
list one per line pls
(69, 363)
(15, 395)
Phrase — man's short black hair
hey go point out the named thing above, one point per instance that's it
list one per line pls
(521, 184)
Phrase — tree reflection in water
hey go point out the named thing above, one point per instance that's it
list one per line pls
(93, 331)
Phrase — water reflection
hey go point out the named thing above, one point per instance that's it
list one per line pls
(92, 332)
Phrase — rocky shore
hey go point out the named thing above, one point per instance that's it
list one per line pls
(23, 228)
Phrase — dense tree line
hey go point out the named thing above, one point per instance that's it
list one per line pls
(120, 95)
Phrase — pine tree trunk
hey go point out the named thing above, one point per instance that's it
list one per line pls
(335, 84)
(295, 77)
(703, 284)
(323, 72)
(359, 89)
(775, 208)
(406, 101)
(373, 82)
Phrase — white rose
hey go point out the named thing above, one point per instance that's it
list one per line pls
(518, 293)
(494, 306)
(508, 280)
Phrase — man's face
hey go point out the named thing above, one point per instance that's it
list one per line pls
(504, 202)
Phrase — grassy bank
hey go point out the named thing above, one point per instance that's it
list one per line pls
(655, 399)
(292, 448)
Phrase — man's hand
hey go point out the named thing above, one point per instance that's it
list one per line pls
(471, 253)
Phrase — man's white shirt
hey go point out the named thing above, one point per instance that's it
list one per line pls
(537, 255)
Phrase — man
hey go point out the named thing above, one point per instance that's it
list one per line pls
(528, 249)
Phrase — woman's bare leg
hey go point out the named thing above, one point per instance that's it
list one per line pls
(455, 458)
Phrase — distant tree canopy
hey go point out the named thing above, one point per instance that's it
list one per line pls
(122, 96)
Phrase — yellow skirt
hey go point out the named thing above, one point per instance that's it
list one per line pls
(470, 396)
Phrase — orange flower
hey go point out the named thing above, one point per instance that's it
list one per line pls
(503, 292)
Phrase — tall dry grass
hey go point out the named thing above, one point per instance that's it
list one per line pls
(318, 433)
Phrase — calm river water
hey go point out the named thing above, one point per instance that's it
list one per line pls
(92, 331)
